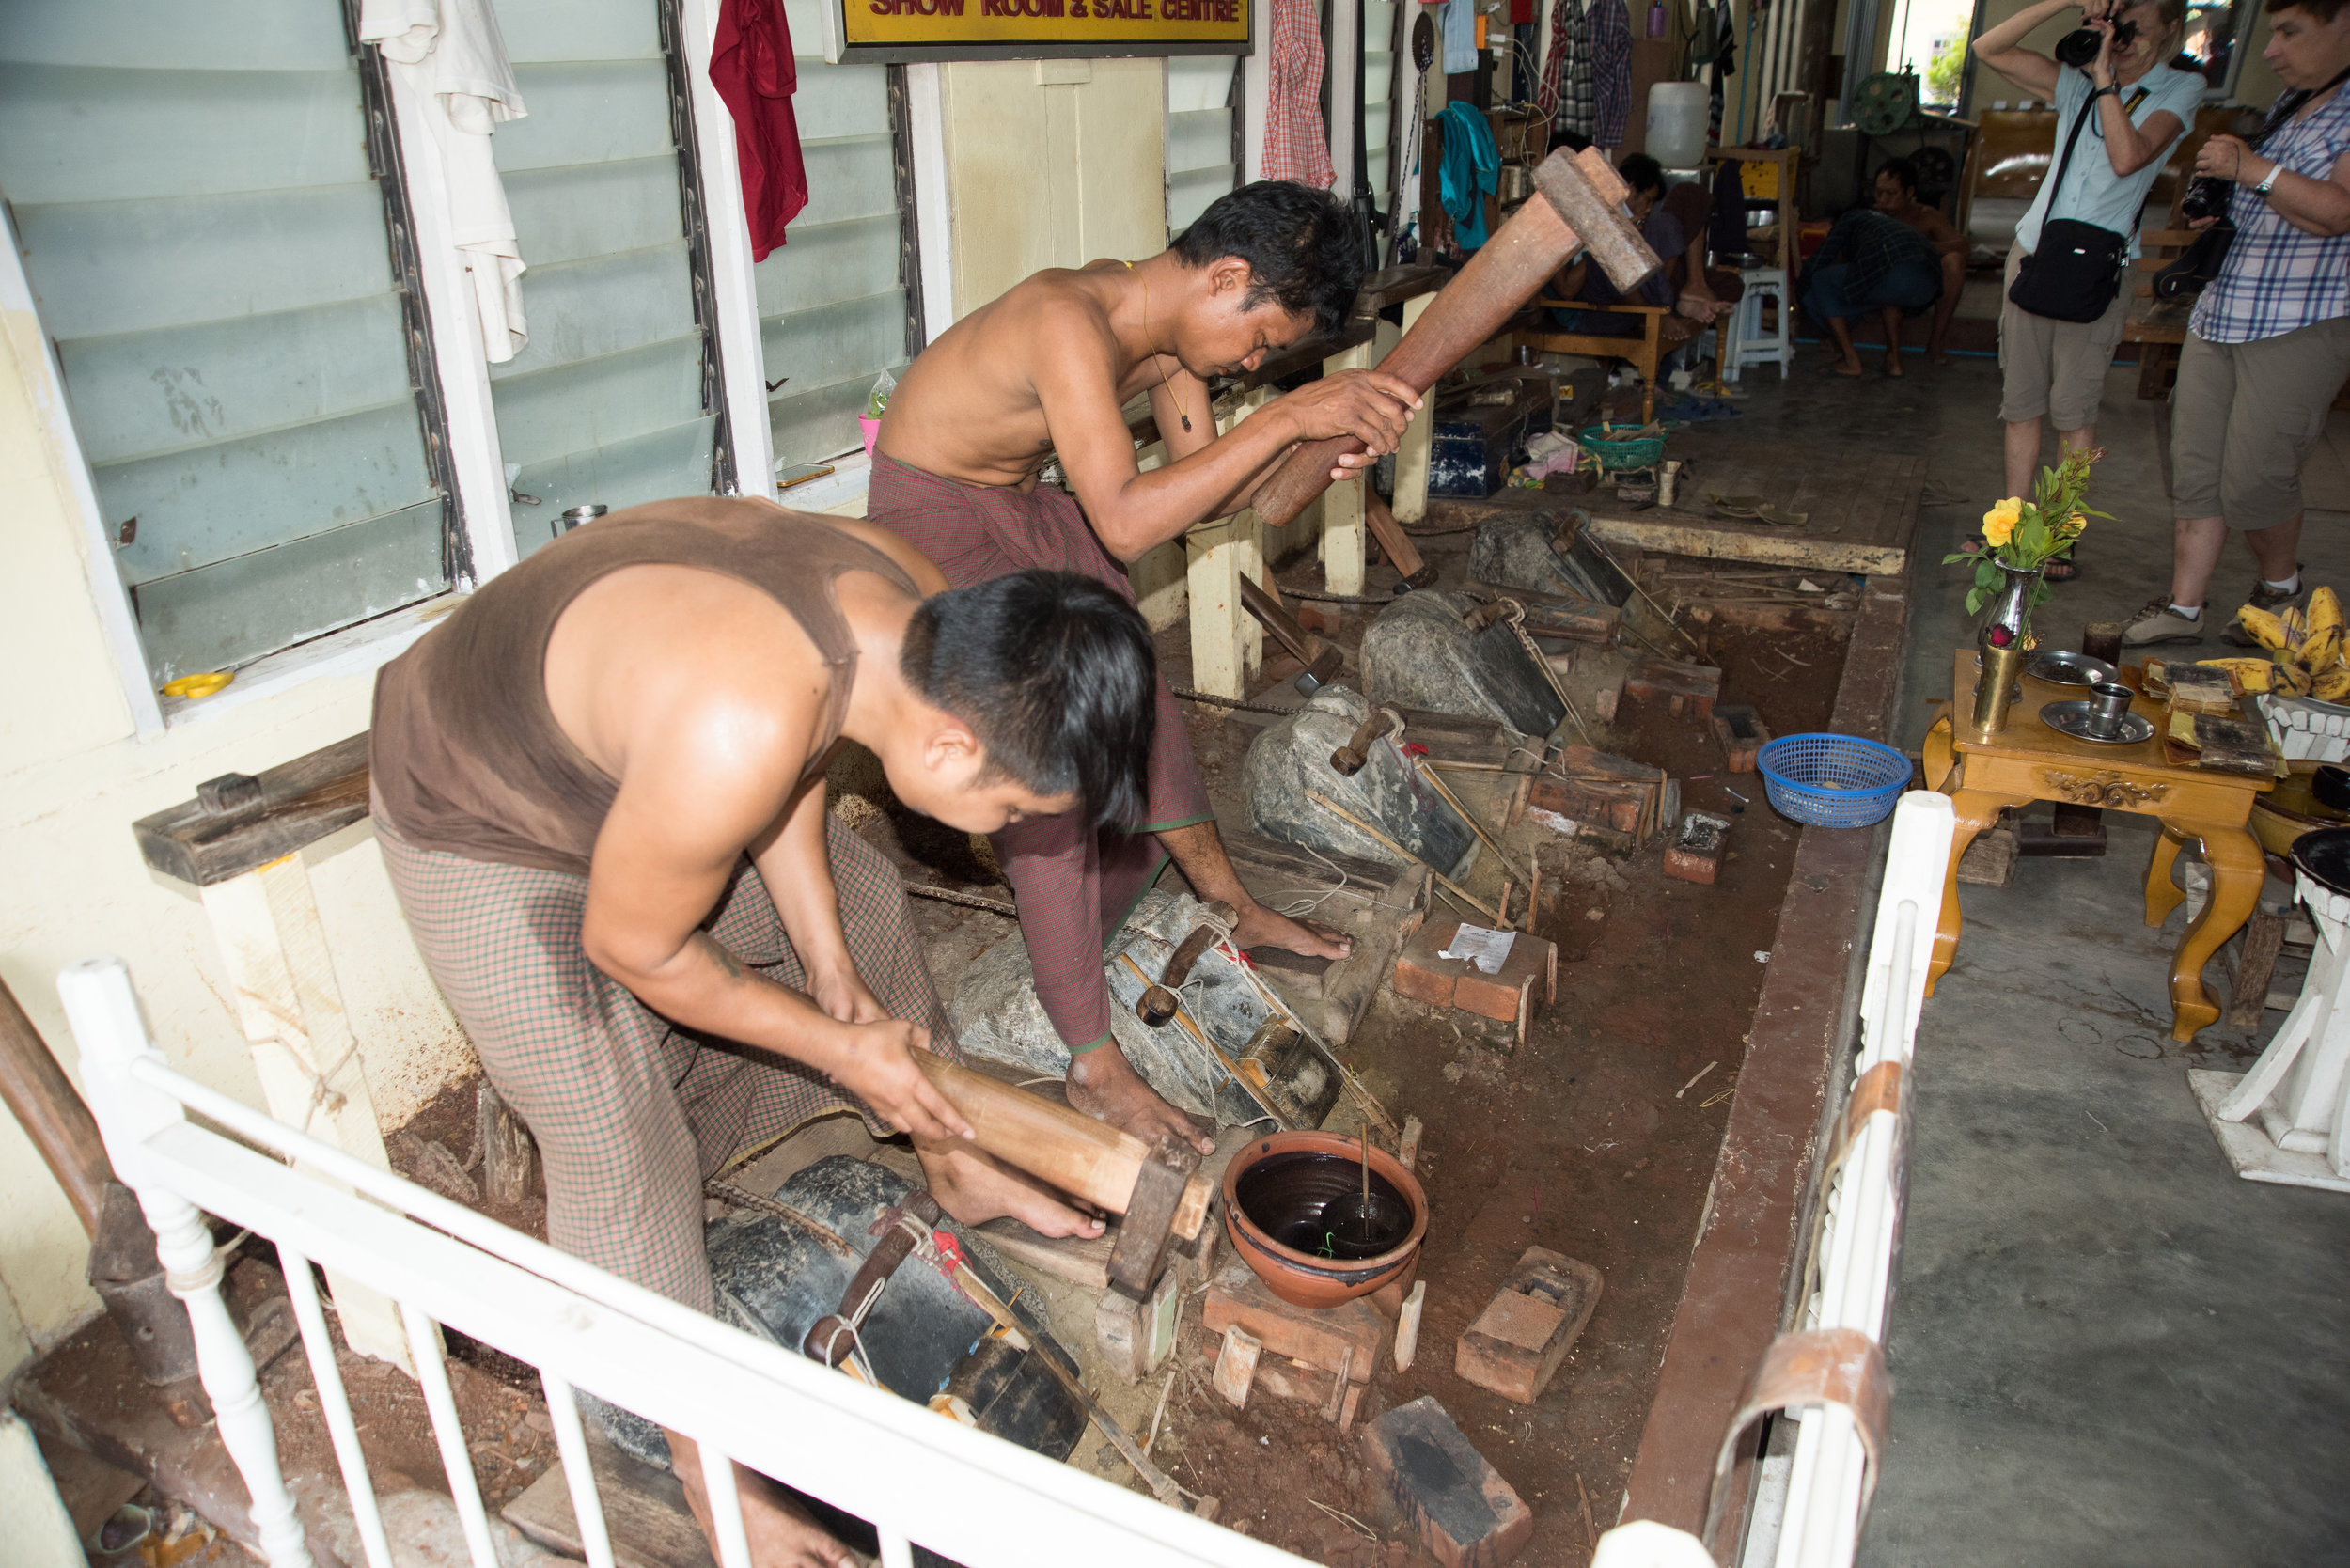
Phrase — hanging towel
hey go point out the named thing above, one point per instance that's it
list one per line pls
(1472, 166)
(752, 67)
(1457, 23)
(1295, 146)
(1611, 73)
(450, 54)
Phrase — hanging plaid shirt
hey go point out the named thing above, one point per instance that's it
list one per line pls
(1568, 77)
(2278, 279)
(1610, 32)
(1295, 146)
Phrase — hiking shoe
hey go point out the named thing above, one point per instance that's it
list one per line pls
(2262, 597)
(2159, 623)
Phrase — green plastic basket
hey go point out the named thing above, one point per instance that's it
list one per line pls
(1616, 453)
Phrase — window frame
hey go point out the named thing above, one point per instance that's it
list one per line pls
(484, 536)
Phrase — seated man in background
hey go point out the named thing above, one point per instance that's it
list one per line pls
(1682, 285)
(1870, 260)
(599, 790)
(1047, 370)
(1897, 198)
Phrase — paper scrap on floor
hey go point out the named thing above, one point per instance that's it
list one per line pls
(1488, 950)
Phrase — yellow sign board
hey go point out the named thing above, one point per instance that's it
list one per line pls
(1017, 27)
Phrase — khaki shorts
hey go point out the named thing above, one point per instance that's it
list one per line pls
(2243, 418)
(2054, 370)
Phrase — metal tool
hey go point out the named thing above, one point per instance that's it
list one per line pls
(1157, 1005)
(1350, 759)
(1322, 659)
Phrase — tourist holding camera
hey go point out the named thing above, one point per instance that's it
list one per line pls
(2268, 346)
(2119, 110)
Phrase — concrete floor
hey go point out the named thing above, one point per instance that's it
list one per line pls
(2106, 1349)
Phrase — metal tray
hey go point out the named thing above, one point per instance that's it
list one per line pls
(2072, 718)
(2061, 669)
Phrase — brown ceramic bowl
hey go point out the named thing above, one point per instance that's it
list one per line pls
(1303, 1278)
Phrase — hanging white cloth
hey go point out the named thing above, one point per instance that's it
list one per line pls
(450, 54)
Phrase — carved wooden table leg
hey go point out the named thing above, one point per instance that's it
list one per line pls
(1977, 810)
(2237, 873)
(2162, 895)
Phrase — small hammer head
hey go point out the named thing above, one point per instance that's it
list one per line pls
(1347, 761)
(1155, 1006)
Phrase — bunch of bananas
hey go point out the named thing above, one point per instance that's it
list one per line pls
(2304, 650)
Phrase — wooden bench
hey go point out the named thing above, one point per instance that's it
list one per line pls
(2157, 327)
(1645, 352)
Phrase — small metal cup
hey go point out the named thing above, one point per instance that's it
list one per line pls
(2109, 704)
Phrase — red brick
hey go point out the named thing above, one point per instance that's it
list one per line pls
(1681, 686)
(1324, 618)
(1529, 974)
(1422, 975)
(1742, 735)
(1696, 853)
(1467, 1516)
(1517, 1342)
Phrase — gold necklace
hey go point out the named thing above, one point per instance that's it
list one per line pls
(1164, 385)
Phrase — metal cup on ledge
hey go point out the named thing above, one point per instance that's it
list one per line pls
(2109, 704)
(1995, 688)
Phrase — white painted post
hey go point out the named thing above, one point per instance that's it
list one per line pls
(1411, 459)
(111, 1032)
(267, 924)
(1226, 641)
(1342, 554)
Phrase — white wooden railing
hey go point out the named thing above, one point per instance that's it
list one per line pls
(1830, 1370)
(975, 1498)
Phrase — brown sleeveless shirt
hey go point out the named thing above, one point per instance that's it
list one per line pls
(466, 755)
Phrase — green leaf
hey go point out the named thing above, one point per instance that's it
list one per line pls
(1975, 597)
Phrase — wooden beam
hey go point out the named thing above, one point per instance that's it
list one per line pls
(1342, 550)
(1412, 456)
(240, 821)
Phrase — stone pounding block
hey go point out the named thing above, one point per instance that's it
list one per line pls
(1516, 1343)
(1466, 1514)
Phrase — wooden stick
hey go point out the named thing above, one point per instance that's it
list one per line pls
(58, 1124)
(1083, 1157)
(1475, 826)
(1458, 891)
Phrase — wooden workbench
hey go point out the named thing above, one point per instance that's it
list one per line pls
(1863, 509)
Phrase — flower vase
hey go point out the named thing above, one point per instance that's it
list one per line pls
(2000, 640)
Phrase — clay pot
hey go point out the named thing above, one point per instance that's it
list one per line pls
(1303, 1278)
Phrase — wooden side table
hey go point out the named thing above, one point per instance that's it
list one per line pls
(2028, 761)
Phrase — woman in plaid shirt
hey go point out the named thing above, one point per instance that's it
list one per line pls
(2268, 346)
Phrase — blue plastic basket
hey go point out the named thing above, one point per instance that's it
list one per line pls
(1833, 781)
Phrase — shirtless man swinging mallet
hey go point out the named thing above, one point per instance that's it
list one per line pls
(1045, 370)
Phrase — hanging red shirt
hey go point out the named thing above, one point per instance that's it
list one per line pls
(752, 67)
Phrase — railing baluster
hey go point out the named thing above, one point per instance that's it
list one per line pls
(726, 1506)
(424, 1343)
(579, 1471)
(335, 1403)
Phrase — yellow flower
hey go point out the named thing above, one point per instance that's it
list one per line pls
(2076, 525)
(1998, 524)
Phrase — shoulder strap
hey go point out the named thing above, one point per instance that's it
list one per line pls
(2088, 106)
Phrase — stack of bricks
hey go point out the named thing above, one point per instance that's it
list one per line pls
(1528, 976)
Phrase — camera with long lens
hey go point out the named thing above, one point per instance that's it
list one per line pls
(2079, 48)
(2207, 196)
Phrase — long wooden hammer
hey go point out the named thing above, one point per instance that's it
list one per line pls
(1581, 208)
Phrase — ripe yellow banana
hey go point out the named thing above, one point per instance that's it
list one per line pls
(2267, 629)
(2252, 675)
(2332, 686)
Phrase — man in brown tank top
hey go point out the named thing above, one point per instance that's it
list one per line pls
(1046, 370)
(692, 889)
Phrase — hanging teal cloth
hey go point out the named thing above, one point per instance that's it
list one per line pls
(1472, 164)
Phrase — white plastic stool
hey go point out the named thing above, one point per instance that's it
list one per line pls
(2286, 1120)
(1748, 344)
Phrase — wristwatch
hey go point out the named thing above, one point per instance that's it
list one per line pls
(2268, 180)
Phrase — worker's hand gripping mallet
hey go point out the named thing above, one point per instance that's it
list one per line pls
(1582, 209)
(1157, 1187)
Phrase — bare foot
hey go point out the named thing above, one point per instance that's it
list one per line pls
(1849, 368)
(974, 1187)
(779, 1531)
(1105, 1086)
(1260, 927)
(1893, 363)
(1938, 358)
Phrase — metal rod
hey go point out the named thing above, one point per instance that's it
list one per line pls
(1344, 815)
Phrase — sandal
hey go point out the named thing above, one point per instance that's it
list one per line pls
(2063, 569)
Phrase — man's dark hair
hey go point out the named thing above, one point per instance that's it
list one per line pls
(1642, 173)
(2324, 10)
(1903, 170)
(1299, 244)
(1055, 676)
